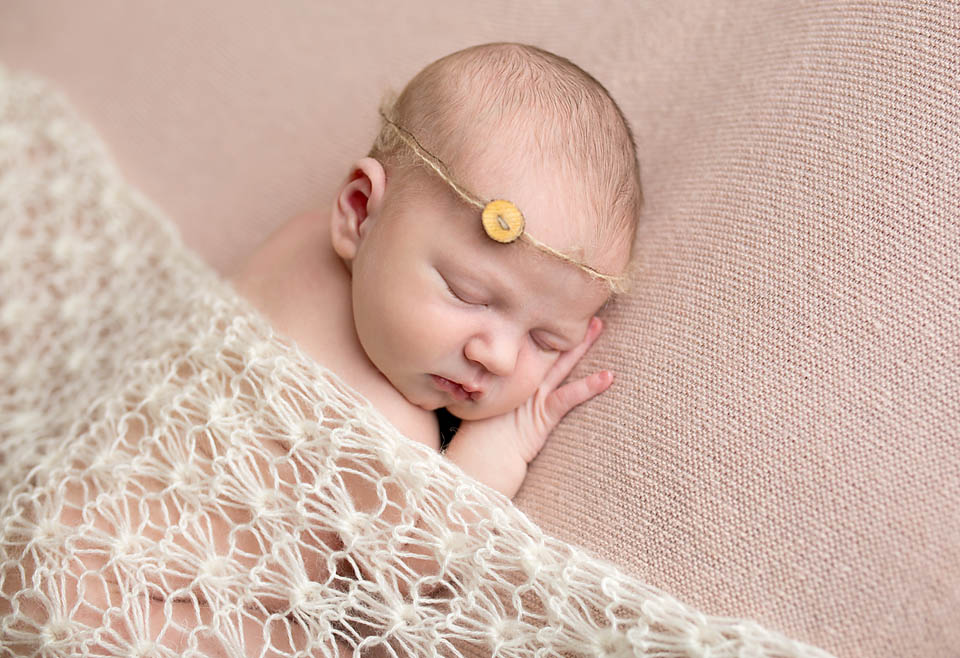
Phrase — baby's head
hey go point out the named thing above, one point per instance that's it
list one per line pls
(451, 317)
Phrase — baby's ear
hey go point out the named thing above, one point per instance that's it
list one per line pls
(360, 197)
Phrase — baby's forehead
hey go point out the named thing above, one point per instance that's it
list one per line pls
(518, 275)
(558, 207)
(562, 207)
(560, 234)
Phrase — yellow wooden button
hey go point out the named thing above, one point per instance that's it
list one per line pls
(502, 221)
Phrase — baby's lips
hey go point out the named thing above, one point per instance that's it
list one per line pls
(474, 391)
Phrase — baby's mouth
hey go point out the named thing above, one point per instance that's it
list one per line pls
(456, 390)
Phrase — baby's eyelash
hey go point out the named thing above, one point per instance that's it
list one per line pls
(452, 291)
(459, 296)
(543, 347)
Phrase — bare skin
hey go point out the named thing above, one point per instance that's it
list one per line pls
(316, 310)
(511, 332)
(404, 297)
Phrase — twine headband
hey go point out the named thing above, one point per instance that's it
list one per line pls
(502, 220)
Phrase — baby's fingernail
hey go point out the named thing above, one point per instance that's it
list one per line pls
(606, 378)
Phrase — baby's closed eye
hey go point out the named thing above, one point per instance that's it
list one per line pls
(544, 344)
(463, 295)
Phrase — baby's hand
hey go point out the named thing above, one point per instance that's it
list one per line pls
(496, 450)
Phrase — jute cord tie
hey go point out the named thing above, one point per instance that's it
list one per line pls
(502, 220)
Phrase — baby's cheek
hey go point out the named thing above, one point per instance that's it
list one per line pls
(531, 375)
(540, 363)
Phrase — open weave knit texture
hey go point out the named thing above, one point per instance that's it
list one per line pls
(176, 479)
(782, 440)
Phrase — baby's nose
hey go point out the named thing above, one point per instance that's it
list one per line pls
(496, 352)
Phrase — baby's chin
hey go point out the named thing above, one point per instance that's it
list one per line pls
(474, 412)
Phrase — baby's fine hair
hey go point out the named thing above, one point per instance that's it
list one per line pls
(548, 108)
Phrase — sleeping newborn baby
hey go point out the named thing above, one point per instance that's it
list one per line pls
(422, 293)
(462, 267)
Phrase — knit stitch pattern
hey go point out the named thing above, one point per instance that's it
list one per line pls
(177, 479)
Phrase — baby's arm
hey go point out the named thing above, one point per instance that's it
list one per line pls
(496, 450)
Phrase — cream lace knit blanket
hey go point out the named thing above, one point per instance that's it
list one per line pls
(177, 479)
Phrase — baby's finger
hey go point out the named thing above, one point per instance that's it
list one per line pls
(568, 396)
(561, 369)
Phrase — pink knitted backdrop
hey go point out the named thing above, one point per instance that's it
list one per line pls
(782, 441)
